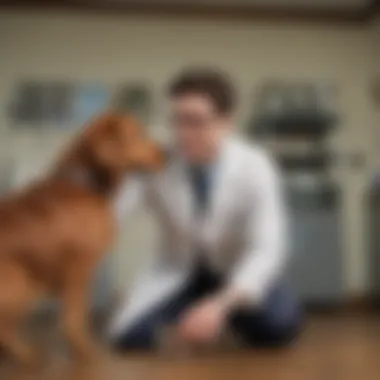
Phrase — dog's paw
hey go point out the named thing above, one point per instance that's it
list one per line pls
(89, 354)
(31, 360)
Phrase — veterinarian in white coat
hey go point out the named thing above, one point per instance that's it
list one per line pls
(222, 221)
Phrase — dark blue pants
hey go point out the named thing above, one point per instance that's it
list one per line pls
(275, 324)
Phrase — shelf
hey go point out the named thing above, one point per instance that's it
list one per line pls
(305, 125)
(311, 162)
(325, 196)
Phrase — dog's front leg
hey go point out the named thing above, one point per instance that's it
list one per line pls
(21, 351)
(76, 309)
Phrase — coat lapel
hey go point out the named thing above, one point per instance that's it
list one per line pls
(180, 196)
(207, 226)
(221, 196)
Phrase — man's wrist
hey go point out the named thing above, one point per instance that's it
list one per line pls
(232, 298)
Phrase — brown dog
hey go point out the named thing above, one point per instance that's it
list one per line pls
(53, 234)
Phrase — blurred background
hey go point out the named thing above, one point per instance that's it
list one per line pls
(309, 81)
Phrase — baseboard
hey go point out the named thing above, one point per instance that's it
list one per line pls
(354, 304)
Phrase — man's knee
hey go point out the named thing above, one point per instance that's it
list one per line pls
(281, 333)
(281, 323)
(266, 333)
(138, 337)
(277, 325)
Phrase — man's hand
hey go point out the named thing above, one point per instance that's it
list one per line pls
(204, 322)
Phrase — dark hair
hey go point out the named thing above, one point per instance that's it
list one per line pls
(214, 84)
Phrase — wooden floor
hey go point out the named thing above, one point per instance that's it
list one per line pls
(331, 347)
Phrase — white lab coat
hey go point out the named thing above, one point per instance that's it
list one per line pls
(242, 234)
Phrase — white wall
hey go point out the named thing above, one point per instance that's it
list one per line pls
(114, 49)
(375, 35)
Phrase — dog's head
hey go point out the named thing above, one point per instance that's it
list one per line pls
(111, 146)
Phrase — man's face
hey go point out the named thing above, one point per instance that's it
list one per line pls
(198, 127)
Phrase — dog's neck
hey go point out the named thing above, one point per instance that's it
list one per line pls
(82, 168)
(96, 179)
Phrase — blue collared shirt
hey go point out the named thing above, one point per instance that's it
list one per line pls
(202, 179)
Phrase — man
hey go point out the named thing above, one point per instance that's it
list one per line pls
(223, 237)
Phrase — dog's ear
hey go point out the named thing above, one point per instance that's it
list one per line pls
(87, 144)
(103, 138)
(110, 137)
(100, 126)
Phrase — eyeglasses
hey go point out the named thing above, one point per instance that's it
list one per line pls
(191, 120)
